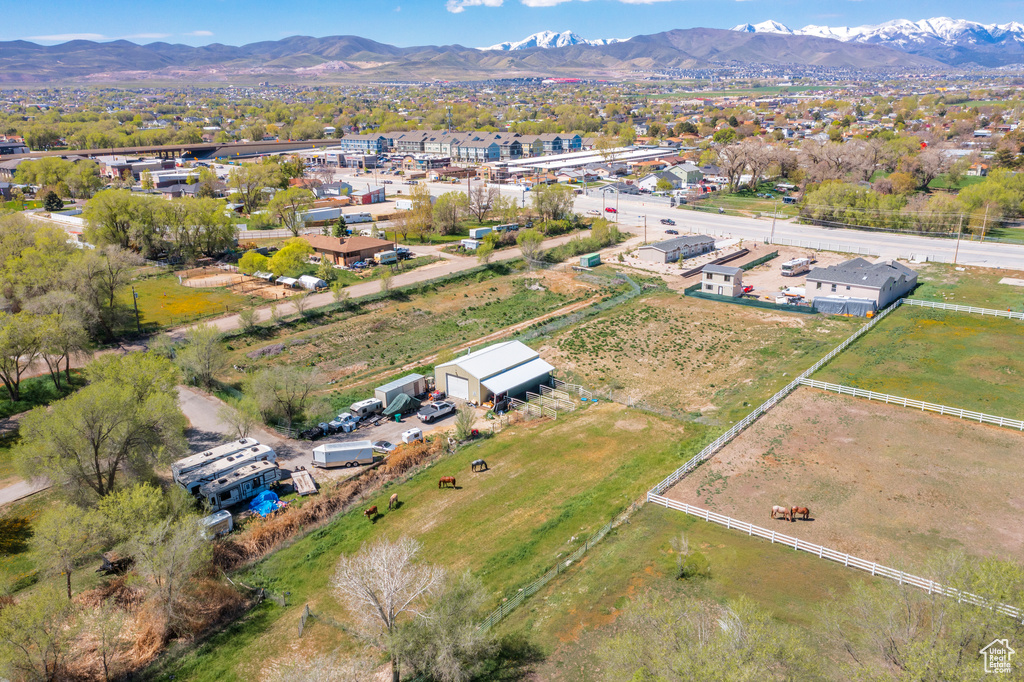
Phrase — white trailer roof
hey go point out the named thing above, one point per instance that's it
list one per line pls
(517, 376)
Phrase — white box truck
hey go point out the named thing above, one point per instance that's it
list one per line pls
(353, 453)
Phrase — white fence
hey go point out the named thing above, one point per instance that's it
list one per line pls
(832, 555)
(572, 388)
(719, 442)
(274, 234)
(916, 404)
(965, 309)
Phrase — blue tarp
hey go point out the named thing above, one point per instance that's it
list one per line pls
(264, 503)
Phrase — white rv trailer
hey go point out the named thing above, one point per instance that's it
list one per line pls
(214, 470)
(198, 461)
(241, 484)
(350, 454)
(797, 266)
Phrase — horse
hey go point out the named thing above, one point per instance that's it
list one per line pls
(784, 511)
(445, 481)
(393, 502)
(804, 512)
(478, 465)
(371, 513)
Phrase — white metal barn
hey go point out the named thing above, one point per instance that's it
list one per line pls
(507, 368)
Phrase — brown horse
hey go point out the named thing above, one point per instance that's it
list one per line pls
(783, 513)
(445, 481)
(393, 502)
(804, 513)
(371, 513)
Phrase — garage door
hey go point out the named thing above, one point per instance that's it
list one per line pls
(457, 386)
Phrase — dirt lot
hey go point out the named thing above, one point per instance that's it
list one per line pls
(767, 278)
(882, 482)
(693, 355)
(241, 284)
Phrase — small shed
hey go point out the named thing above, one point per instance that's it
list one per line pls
(312, 283)
(590, 260)
(411, 385)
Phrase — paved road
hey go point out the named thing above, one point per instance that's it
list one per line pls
(22, 489)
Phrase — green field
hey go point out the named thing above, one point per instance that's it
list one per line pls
(36, 391)
(978, 287)
(957, 359)
(573, 615)
(164, 303)
(942, 182)
(746, 203)
(548, 482)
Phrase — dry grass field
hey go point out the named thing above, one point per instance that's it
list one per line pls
(885, 483)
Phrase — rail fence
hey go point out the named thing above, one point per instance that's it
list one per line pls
(722, 440)
(578, 389)
(964, 309)
(563, 564)
(843, 558)
(916, 404)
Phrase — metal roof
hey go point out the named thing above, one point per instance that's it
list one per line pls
(399, 383)
(517, 376)
(495, 359)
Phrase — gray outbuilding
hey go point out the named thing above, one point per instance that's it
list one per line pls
(410, 385)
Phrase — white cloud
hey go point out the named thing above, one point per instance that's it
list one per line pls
(459, 6)
(65, 37)
(202, 34)
(398, 9)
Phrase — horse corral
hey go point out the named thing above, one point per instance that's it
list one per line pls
(245, 285)
(886, 483)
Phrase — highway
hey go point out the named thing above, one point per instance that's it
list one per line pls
(633, 209)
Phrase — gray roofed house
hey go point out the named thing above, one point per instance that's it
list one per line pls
(671, 250)
(881, 283)
(724, 280)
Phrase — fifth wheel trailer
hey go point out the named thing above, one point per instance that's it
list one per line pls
(198, 461)
(350, 454)
(192, 481)
(240, 485)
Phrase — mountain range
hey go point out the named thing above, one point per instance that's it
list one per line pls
(549, 39)
(951, 41)
(352, 58)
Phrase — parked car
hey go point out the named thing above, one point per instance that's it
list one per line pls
(435, 411)
(667, 221)
(384, 447)
(611, 209)
(671, 231)
(747, 289)
(359, 265)
(593, 213)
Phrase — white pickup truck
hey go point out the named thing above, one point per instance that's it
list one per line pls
(435, 411)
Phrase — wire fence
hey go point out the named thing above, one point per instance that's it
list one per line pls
(845, 559)
(580, 315)
(979, 417)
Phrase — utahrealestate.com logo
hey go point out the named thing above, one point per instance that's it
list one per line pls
(997, 656)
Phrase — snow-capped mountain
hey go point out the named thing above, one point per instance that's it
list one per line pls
(951, 40)
(549, 39)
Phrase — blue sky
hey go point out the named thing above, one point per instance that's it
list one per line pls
(472, 23)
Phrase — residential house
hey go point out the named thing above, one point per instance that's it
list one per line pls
(347, 251)
(687, 172)
(621, 188)
(410, 142)
(673, 249)
(649, 183)
(879, 283)
(723, 280)
(531, 145)
(978, 170)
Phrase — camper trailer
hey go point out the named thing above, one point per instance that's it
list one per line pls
(348, 454)
(218, 523)
(797, 266)
(214, 470)
(364, 408)
(193, 462)
(240, 485)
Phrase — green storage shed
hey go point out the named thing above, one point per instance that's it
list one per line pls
(590, 260)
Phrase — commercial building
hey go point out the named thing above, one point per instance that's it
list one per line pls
(673, 249)
(510, 368)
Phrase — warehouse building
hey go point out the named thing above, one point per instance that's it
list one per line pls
(504, 369)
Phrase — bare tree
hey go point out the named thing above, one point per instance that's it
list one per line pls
(242, 418)
(283, 390)
(383, 583)
(732, 160)
(481, 199)
(170, 553)
(106, 626)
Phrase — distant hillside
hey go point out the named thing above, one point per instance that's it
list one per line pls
(351, 57)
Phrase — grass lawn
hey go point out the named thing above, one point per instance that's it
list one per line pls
(956, 359)
(572, 617)
(978, 287)
(745, 203)
(37, 391)
(942, 182)
(548, 482)
(165, 303)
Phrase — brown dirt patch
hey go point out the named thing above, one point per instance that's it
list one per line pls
(216, 280)
(884, 483)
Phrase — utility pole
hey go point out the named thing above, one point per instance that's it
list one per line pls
(645, 228)
(959, 229)
(135, 300)
(774, 216)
